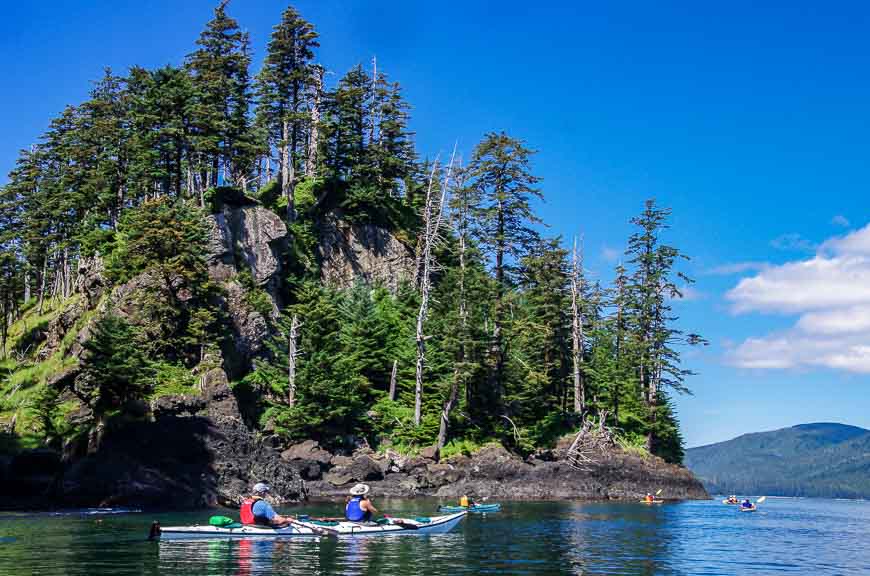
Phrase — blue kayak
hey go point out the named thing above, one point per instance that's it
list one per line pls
(475, 509)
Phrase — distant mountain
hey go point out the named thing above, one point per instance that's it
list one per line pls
(822, 459)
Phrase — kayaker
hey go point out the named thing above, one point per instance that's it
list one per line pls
(255, 510)
(359, 508)
(466, 502)
(746, 504)
(648, 497)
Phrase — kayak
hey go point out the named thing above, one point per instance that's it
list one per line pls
(652, 501)
(476, 509)
(392, 526)
(743, 509)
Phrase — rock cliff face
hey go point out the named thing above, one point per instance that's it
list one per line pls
(350, 252)
(195, 452)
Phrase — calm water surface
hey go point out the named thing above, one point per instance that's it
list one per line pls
(785, 536)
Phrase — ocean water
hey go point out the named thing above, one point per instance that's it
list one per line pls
(785, 536)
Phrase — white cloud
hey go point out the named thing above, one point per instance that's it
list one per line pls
(819, 283)
(830, 294)
(840, 220)
(689, 294)
(736, 268)
(792, 242)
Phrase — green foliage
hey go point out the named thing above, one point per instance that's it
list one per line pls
(115, 368)
(172, 379)
(255, 297)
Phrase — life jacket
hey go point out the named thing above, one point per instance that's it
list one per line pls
(464, 501)
(247, 512)
(352, 511)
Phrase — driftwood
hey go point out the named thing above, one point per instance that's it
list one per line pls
(591, 444)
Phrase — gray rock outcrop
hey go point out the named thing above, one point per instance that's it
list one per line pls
(246, 238)
(350, 252)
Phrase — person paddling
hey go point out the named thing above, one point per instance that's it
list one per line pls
(359, 508)
(746, 504)
(466, 502)
(255, 510)
(648, 497)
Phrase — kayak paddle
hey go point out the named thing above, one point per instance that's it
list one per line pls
(760, 500)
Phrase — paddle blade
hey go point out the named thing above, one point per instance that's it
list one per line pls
(660, 491)
(760, 500)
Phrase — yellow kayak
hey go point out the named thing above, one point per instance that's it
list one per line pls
(652, 501)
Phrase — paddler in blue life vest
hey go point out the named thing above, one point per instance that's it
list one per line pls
(746, 504)
(359, 508)
(255, 510)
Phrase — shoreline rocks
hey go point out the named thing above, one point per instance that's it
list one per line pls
(497, 473)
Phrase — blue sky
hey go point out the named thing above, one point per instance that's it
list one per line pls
(750, 121)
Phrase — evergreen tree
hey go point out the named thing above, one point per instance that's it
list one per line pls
(500, 171)
(652, 286)
(115, 368)
(283, 86)
(222, 138)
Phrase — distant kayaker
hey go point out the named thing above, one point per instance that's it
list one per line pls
(466, 502)
(648, 497)
(359, 508)
(255, 510)
(746, 504)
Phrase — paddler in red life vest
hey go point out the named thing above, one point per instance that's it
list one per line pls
(255, 510)
(648, 497)
(359, 508)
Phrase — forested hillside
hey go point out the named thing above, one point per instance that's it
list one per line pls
(825, 460)
(257, 219)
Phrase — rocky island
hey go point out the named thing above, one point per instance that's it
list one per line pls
(209, 281)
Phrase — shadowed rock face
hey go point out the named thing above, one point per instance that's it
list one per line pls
(350, 252)
(197, 452)
(498, 474)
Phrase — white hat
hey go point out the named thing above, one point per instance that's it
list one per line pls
(260, 488)
(359, 490)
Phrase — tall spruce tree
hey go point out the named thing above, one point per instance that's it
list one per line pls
(221, 88)
(652, 286)
(500, 170)
(284, 85)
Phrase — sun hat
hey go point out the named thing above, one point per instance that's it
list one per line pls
(260, 488)
(359, 490)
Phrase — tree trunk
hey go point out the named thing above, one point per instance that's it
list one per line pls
(286, 169)
(26, 282)
(291, 361)
(496, 350)
(432, 224)
(42, 282)
(577, 330)
(393, 380)
(311, 164)
(445, 414)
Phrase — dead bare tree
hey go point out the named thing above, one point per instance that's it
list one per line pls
(577, 328)
(461, 226)
(432, 214)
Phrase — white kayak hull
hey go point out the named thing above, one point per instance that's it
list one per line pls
(437, 525)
